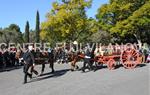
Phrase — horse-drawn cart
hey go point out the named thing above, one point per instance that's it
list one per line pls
(128, 55)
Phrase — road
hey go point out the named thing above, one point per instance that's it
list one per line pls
(64, 82)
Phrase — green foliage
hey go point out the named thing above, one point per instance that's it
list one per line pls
(125, 17)
(118, 21)
(37, 29)
(26, 35)
(67, 21)
(32, 36)
(101, 37)
(11, 34)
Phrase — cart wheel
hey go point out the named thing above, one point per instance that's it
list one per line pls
(111, 64)
(130, 58)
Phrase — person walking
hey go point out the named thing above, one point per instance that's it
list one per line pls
(51, 59)
(87, 59)
(28, 63)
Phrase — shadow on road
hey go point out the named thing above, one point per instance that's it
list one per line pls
(7, 69)
(141, 65)
(50, 75)
(99, 67)
(116, 67)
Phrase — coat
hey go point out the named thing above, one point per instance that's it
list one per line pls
(28, 57)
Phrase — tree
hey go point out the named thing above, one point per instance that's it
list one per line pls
(125, 18)
(26, 35)
(101, 37)
(137, 24)
(1, 31)
(67, 21)
(16, 28)
(11, 34)
(6, 36)
(37, 29)
(32, 36)
(91, 29)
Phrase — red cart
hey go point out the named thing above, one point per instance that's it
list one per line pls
(129, 57)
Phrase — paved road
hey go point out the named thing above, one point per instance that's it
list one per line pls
(64, 82)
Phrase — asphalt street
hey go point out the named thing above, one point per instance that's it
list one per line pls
(120, 81)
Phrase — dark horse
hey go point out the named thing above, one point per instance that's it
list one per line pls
(41, 58)
(45, 58)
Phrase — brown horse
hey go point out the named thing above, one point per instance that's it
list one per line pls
(73, 58)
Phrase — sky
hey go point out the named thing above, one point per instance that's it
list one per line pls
(20, 11)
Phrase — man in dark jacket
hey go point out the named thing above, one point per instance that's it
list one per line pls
(51, 59)
(28, 62)
(87, 59)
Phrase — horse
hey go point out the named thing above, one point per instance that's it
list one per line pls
(74, 58)
(44, 58)
(41, 58)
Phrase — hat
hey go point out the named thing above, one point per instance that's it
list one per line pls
(30, 47)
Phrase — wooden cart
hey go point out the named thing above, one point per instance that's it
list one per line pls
(130, 57)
